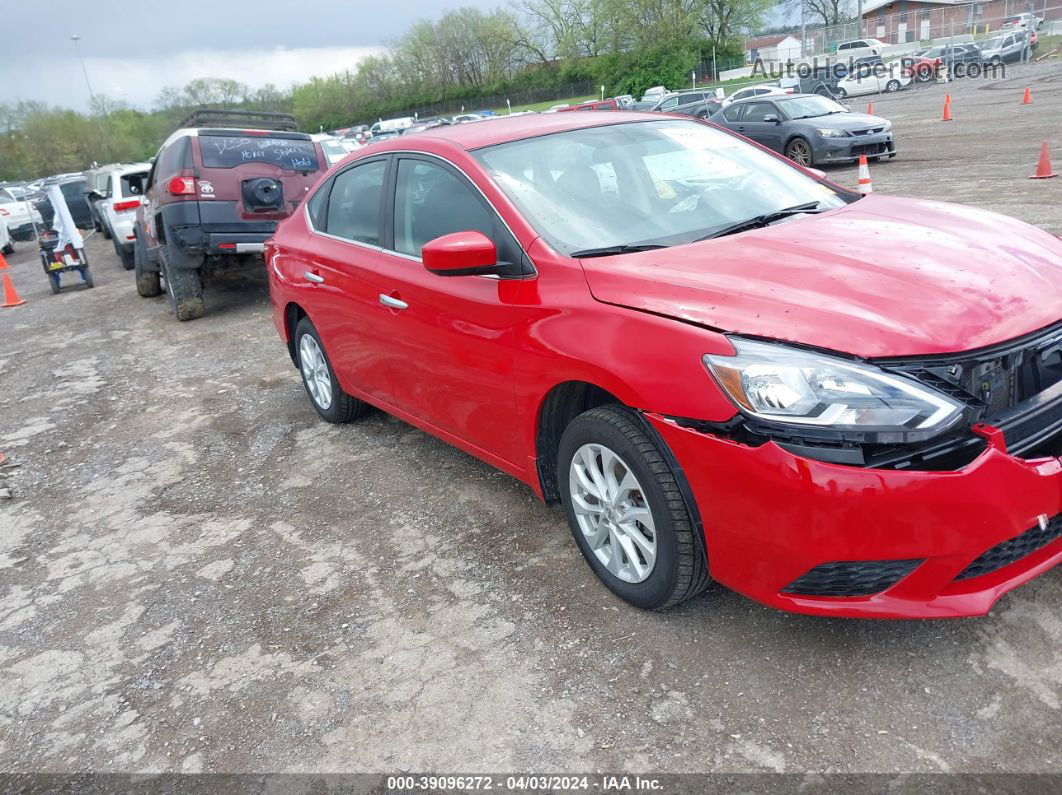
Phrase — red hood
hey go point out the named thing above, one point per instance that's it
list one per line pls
(881, 277)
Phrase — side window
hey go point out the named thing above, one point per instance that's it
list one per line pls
(733, 113)
(354, 203)
(173, 158)
(758, 111)
(432, 201)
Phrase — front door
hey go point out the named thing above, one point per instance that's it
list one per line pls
(448, 341)
(755, 125)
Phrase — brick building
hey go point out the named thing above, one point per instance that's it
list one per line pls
(904, 21)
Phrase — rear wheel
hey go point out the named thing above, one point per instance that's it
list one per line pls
(9, 248)
(840, 93)
(626, 512)
(147, 281)
(124, 254)
(892, 86)
(184, 284)
(106, 230)
(86, 275)
(330, 401)
(799, 151)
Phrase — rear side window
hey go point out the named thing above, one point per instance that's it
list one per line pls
(733, 113)
(354, 203)
(133, 184)
(228, 151)
(174, 158)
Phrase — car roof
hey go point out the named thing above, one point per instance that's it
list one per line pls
(503, 129)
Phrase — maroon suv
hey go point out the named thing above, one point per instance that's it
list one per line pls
(215, 194)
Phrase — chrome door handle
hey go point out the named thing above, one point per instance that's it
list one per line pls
(313, 277)
(394, 303)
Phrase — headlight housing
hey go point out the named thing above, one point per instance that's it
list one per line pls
(811, 392)
(826, 132)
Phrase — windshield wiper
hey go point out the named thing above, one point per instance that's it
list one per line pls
(762, 220)
(607, 251)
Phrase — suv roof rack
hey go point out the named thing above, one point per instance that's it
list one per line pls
(259, 119)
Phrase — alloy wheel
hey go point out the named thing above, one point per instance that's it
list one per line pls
(800, 152)
(315, 371)
(613, 513)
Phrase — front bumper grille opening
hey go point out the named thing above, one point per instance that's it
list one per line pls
(1013, 550)
(852, 578)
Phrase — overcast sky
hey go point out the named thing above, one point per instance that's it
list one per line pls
(133, 48)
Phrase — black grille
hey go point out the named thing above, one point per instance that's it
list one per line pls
(995, 379)
(870, 149)
(846, 578)
(1013, 550)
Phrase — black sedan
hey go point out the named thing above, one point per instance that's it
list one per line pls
(809, 129)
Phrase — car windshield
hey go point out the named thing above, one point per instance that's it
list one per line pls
(644, 184)
(810, 106)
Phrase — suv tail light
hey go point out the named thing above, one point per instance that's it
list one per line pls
(132, 204)
(182, 186)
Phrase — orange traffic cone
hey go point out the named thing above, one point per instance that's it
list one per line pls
(3, 263)
(1043, 168)
(1027, 99)
(10, 296)
(865, 185)
(870, 108)
(947, 107)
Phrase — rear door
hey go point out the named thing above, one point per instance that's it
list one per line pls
(341, 257)
(239, 170)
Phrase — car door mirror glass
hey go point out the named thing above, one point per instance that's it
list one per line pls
(773, 118)
(467, 253)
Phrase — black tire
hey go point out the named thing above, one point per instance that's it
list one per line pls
(800, 151)
(892, 86)
(53, 283)
(184, 285)
(680, 571)
(9, 249)
(106, 230)
(86, 274)
(342, 407)
(148, 284)
(125, 255)
(840, 93)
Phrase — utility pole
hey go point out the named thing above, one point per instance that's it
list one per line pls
(92, 96)
(803, 31)
(75, 38)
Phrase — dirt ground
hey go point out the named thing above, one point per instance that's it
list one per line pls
(196, 574)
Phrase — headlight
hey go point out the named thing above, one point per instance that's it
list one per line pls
(796, 387)
(827, 133)
(888, 126)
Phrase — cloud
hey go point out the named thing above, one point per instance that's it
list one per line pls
(137, 81)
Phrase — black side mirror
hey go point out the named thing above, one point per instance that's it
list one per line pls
(772, 118)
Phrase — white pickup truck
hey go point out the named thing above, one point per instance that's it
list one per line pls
(1022, 22)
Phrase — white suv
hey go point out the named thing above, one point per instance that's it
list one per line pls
(117, 208)
(859, 48)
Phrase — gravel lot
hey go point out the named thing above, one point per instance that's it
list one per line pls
(196, 574)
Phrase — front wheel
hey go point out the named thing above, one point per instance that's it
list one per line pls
(626, 512)
(840, 93)
(892, 86)
(9, 248)
(330, 401)
(799, 151)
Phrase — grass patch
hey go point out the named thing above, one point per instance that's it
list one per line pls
(541, 106)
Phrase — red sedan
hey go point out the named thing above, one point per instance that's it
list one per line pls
(723, 366)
